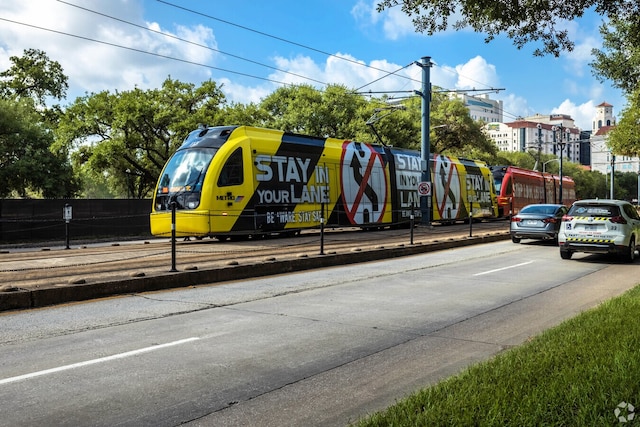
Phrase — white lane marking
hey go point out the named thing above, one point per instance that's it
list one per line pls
(94, 361)
(503, 268)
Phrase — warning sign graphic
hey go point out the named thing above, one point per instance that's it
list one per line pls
(446, 187)
(364, 183)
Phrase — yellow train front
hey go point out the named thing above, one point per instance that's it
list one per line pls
(232, 181)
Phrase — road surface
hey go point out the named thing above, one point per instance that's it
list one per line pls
(323, 347)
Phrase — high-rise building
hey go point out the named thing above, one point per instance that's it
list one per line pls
(547, 134)
(481, 107)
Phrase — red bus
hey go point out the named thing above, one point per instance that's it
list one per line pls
(517, 187)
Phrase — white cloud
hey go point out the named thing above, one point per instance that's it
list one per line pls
(365, 12)
(344, 69)
(582, 114)
(93, 66)
(395, 23)
(243, 94)
(514, 106)
(577, 61)
(476, 74)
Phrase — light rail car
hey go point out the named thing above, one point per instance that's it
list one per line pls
(231, 181)
(517, 187)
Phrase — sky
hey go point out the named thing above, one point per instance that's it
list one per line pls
(253, 47)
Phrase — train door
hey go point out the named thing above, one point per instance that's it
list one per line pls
(232, 188)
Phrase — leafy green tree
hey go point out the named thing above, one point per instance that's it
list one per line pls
(340, 113)
(523, 22)
(455, 131)
(303, 109)
(619, 59)
(33, 76)
(393, 125)
(124, 138)
(28, 168)
(619, 62)
(625, 185)
(240, 114)
(624, 139)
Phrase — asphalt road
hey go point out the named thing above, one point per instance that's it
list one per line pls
(322, 347)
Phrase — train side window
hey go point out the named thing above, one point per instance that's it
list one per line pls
(232, 171)
(509, 186)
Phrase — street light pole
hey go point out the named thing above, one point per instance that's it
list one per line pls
(539, 126)
(613, 176)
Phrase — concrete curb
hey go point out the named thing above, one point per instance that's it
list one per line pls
(25, 299)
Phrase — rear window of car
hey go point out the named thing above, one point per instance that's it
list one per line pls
(539, 209)
(607, 211)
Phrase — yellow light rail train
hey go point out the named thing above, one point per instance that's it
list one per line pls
(238, 181)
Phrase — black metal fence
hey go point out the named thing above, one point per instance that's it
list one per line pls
(46, 220)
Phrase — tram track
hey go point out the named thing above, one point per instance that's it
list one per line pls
(39, 268)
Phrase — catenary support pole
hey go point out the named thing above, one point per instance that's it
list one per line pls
(425, 151)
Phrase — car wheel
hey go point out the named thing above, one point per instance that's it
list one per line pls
(515, 239)
(631, 251)
(565, 254)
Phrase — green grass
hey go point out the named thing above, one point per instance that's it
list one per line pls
(575, 374)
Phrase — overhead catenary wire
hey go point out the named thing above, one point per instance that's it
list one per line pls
(165, 34)
(143, 51)
(262, 33)
(191, 42)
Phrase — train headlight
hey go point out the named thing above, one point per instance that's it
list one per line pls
(191, 200)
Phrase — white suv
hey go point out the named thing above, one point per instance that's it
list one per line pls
(601, 227)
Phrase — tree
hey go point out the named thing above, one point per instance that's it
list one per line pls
(33, 76)
(523, 22)
(27, 166)
(240, 114)
(334, 112)
(624, 139)
(459, 134)
(124, 139)
(340, 113)
(619, 59)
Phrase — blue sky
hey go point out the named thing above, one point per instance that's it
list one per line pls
(252, 47)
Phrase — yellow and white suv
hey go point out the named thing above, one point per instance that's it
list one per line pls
(600, 226)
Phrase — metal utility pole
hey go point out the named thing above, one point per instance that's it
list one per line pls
(425, 190)
(613, 168)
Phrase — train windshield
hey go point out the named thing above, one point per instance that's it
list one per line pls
(185, 171)
(498, 176)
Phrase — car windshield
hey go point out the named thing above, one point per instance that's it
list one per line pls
(185, 171)
(606, 211)
(539, 209)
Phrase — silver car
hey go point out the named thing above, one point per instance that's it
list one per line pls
(539, 221)
(602, 227)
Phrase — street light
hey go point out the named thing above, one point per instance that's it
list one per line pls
(539, 126)
(561, 144)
